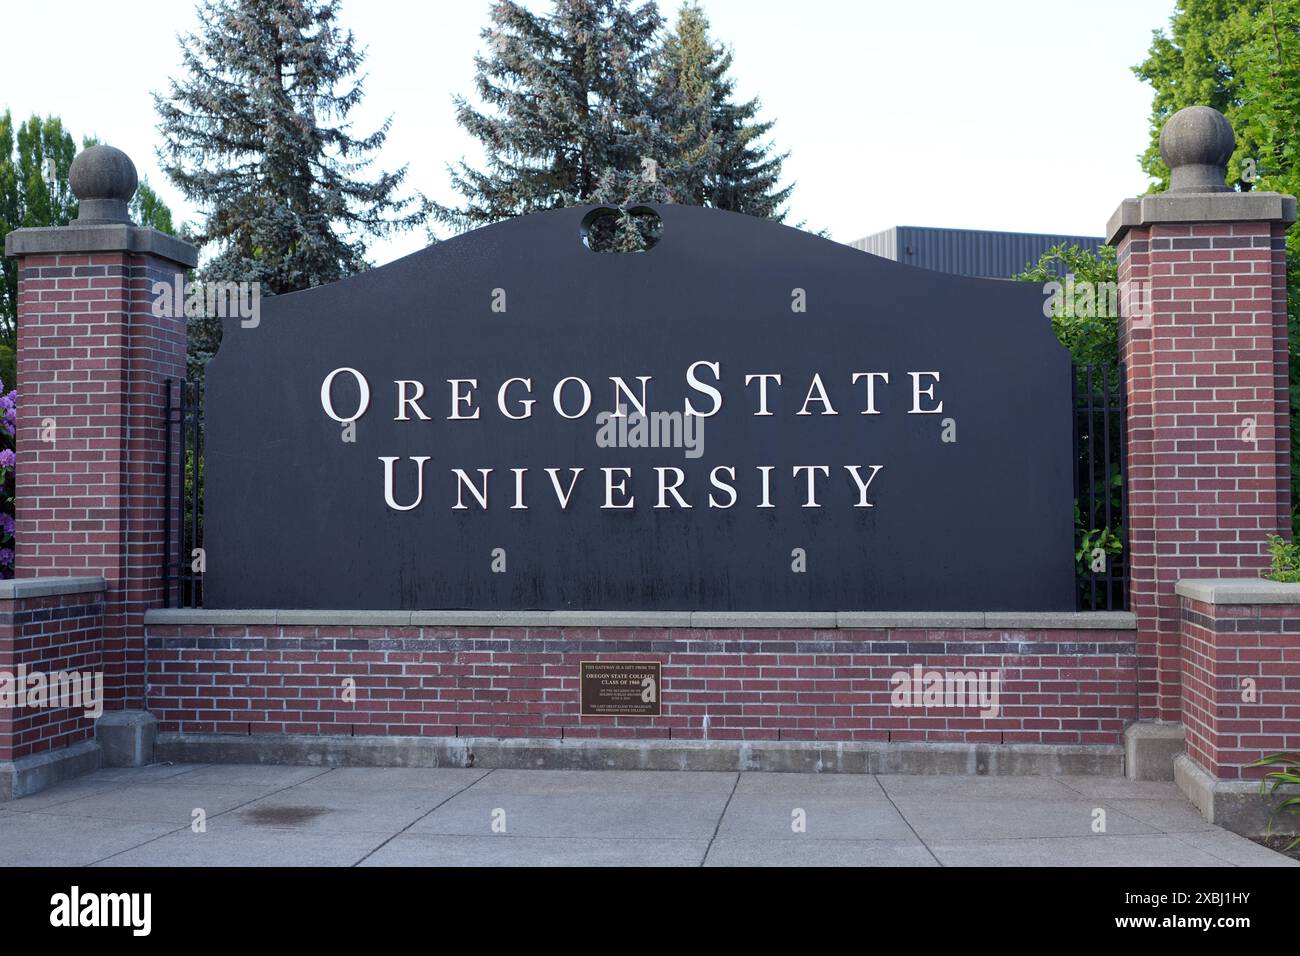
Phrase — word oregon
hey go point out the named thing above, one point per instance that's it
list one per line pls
(573, 397)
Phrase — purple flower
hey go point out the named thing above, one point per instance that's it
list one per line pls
(7, 458)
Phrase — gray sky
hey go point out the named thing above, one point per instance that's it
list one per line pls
(1011, 114)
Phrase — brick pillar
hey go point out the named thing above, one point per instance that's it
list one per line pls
(1241, 650)
(1204, 341)
(92, 360)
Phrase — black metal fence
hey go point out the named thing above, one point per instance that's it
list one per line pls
(1100, 498)
(1100, 504)
(184, 564)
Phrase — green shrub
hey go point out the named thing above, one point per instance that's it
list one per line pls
(1290, 774)
(1286, 560)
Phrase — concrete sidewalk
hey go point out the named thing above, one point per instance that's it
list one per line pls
(310, 816)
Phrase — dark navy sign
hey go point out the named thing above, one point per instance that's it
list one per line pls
(744, 417)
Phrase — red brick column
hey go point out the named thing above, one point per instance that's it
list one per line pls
(1203, 341)
(1241, 671)
(1241, 659)
(52, 628)
(92, 360)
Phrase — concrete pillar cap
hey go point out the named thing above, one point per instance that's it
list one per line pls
(103, 179)
(1196, 144)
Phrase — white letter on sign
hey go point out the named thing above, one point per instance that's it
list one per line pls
(388, 483)
(699, 386)
(918, 391)
(327, 403)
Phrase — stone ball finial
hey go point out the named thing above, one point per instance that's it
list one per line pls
(1196, 144)
(103, 179)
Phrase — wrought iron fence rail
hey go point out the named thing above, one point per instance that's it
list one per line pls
(183, 506)
(1101, 479)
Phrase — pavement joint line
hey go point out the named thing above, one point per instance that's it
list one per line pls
(545, 836)
(801, 838)
(422, 816)
(721, 816)
(63, 803)
(1112, 808)
(902, 816)
(189, 768)
(1069, 790)
(1222, 859)
(1062, 836)
(111, 787)
(186, 826)
(1185, 830)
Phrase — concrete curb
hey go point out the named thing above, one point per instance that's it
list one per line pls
(1150, 749)
(28, 775)
(595, 754)
(126, 737)
(1235, 805)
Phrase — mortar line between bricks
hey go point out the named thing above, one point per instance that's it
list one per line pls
(721, 816)
(902, 816)
(186, 826)
(422, 816)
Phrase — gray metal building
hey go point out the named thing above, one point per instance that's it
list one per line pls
(967, 252)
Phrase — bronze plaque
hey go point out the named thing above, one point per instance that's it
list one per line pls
(620, 688)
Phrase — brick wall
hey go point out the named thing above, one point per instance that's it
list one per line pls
(1057, 686)
(47, 634)
(92, 360)
(1240, 683)
(1208, 447)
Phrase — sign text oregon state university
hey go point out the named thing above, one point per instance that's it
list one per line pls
(743, 417)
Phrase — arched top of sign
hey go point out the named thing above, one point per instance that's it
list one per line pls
(697, 246)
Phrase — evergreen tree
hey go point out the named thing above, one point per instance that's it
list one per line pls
(257, 136)
(571, 116)
(583, 105)
(716, 150)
